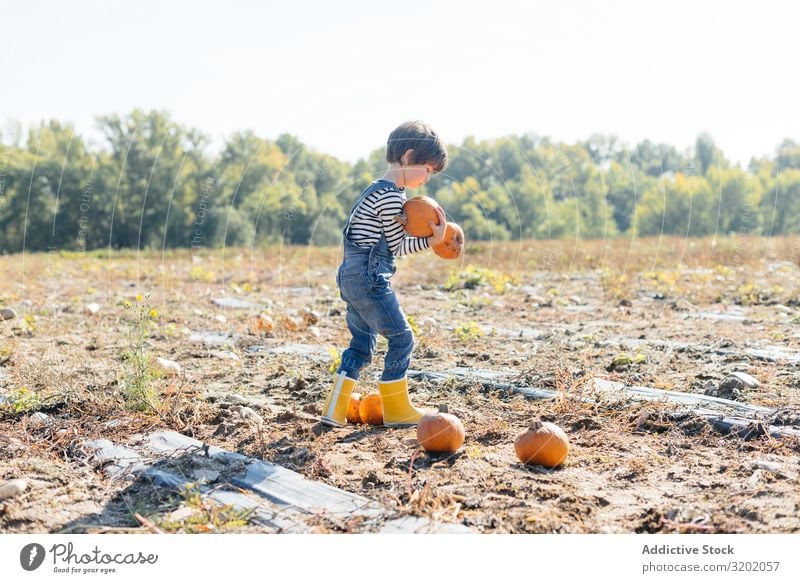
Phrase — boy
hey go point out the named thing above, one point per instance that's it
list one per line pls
(373, 236)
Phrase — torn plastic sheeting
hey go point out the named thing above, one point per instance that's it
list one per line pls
(237, 304)
(272, 481)
(417, 525)
(122, 459)
(485, 379)
(603, 385)
(311, 351)
(165, 479)
(211, 339)
(651, 394)
(767, 353)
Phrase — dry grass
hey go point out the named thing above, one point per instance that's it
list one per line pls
(548, 314)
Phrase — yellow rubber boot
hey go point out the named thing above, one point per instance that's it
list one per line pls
(397, 408)
(334, 412)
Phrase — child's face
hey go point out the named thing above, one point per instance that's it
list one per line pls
(415, 175)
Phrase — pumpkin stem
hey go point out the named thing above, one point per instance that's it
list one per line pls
(443, 409)
(536, 425)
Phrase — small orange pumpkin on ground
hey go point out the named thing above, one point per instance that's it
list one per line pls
(453, 243)
(440, 432)
(352, 414)
(543, 443)
(371, 410)
(419, 211)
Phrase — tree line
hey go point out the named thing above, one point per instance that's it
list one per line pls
(152, 182)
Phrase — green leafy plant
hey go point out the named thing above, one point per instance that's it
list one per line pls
(23, 400)
(208, 515)
(472, 277)
(468, 331)
(140, 394)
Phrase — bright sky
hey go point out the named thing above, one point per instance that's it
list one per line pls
(341, 74)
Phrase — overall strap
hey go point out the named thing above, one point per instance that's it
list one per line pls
(369, 190)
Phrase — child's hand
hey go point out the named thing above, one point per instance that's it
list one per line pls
(438, 230)
(401, 218)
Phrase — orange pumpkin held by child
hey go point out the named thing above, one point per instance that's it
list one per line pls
(371, 410)
(419, 212)
(543, 444)
(453, 243)
(352, 414)
(440, 432)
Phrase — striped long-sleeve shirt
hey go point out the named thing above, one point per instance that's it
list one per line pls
(376, 214)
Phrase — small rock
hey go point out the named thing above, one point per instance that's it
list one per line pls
(226, 355)
(753, 480)
(749, 381)
(168, 367)
(774, 468)
(7, 314)
(315, 332)
(248, 414)
(234, 399)
(39, 419)
(92, 309)
(181, 514)
(730, 388)
(428, 324)
(538, 300)
(207, 476)
(220, 318)
(12, 488)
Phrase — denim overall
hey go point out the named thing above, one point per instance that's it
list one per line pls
(372, 307)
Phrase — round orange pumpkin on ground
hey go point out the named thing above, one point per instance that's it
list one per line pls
(419, 211)
(440, 432)
(352, 414)
(543, 443)
(453, 243)
(371, 410)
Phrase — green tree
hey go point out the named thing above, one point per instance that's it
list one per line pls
(149, 199)
(737, 197)
(684, 207)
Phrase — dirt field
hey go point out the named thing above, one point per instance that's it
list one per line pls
(666, 314)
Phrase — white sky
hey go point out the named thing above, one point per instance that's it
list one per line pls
(341, 74)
